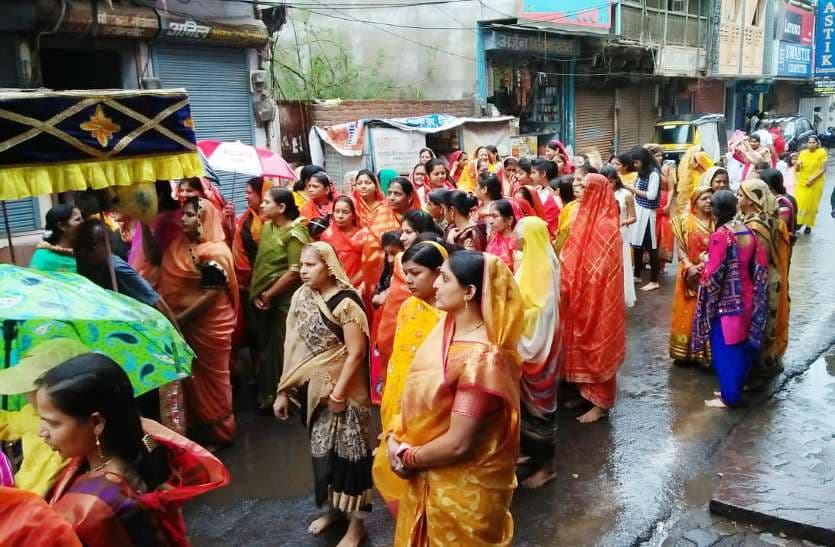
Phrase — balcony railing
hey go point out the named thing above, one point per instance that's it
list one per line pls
(665, 22)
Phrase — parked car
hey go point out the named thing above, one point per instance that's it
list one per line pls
(796, 130)
(827, 138)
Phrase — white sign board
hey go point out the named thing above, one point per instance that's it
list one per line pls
(396, 149)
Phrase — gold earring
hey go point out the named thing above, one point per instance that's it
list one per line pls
(98, 447)
(466, 303)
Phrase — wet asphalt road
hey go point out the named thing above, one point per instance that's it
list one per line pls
(621, 481)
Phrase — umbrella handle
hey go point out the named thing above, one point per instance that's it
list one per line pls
(9, 334)
(8, 232)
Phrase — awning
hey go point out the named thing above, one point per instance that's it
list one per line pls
(73, 140)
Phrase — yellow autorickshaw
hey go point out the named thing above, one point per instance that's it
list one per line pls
(678, 134)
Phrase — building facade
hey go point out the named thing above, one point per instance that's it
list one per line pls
(212, 48)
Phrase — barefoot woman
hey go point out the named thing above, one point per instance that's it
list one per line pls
(457, 437)
(325, 352)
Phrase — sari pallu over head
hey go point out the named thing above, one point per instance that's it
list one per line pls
(591, 289)
(313, 352)
(433, 504)
(538, 278)
(183, 275)
(766, 223)
(350, 249)
(378, 218)
(88, 501)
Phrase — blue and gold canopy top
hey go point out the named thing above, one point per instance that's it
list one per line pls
(53, 141)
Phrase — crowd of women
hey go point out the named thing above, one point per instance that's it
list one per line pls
(461, 299)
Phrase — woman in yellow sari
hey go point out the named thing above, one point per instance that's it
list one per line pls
(415, 320)
(692, 233)
(469, 176)
(569, 212)
(759, 210)
(692, 166)
(538, 277)
(457, 437)
(810, 168)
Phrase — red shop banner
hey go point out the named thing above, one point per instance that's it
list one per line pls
(797, 25)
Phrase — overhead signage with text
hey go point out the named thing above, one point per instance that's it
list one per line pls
(796, 25)
(542, 43)
(825, 40)
(794, 60)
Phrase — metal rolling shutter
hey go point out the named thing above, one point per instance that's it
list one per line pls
(217, 81)
(636, 116)
(23, 213)
(594, 121)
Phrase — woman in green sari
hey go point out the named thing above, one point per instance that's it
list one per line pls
(275, 277)
(54, 253)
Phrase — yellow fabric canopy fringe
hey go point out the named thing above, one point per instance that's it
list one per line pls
(43, 179)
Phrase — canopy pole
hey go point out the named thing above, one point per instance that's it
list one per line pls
(8, 231)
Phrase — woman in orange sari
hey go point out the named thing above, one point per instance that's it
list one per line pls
(245, 249)
(375, 215)
(197, 280)
(591, 299)
(348, 239)
(456, 440)
(692, 232)
(319, 202)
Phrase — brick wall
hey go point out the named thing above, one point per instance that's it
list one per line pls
(325, 114)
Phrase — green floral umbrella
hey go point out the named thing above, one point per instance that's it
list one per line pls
(48, 305)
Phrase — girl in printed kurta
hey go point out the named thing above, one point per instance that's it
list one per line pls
(127, 477)
(538, 278)
(415, 320)
(459, 420)
(324, 373)
(274, 279)
(759, 211)
(809, 181)
(349, 240)
(732, 303)
(591, 299)
(692, 232)
(197, 280)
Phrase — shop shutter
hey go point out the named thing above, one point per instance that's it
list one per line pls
(594, 121)
(217, 81)
(23, 213)
(636, 116)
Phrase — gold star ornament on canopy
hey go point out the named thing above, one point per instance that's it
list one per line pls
(100, 126)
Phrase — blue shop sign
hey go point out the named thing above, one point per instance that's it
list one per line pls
(825, 39)
(794, 60)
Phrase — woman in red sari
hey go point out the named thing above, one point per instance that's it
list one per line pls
(197, 280)
(591, 299)
(127, 477)
(319, 202)
(348, 239)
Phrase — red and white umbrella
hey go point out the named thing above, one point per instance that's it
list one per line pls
(244, 159)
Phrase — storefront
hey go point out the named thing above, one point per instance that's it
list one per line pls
(528, 74)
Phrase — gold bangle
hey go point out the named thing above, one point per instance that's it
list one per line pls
(335, 399)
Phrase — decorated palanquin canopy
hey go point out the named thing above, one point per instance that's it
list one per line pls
(54, 141)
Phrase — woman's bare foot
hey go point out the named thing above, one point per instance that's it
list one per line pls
(716, 403)
(540, 478)
(323, 523)
(573, 402)
(592, 415)
(354, 535)
(651, 286)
